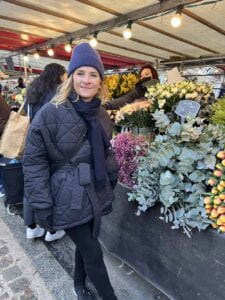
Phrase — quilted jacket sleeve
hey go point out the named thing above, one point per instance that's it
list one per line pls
(36, 171)
(121, 101)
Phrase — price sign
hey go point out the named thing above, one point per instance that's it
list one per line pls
(187, 108)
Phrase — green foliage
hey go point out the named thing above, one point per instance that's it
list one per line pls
(218, 112)
(178, 163)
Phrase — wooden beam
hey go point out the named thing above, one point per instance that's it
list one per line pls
(118, 21)
(200, 60)
(203, 21)
(47, 11)
(151, 45)
(100, 7)
(22, 21)
(168, 34)
(14, 39)
(87, 2)
(22, 32)
(128, 49)
(144, 24)
(108, 10)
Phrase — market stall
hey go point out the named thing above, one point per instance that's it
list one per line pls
(168, 221)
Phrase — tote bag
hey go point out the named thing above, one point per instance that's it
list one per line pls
(14, 135)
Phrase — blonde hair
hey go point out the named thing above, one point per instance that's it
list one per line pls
(66, 88)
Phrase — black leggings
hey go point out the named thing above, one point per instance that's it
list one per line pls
(89, 259)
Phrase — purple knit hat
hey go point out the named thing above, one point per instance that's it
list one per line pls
(85, 55)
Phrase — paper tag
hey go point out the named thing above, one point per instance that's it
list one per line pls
(187, 108)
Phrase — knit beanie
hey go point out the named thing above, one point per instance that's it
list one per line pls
(85, 55)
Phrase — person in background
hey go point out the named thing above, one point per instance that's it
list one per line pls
(40, 92)
(67, 179)
(148, 77)
(4, 116)
(21, 84)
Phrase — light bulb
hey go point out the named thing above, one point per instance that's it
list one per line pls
(36, 55)
(127, 33)
(68, 47)
(176, 20)
(50, 52)
(93, 42)
(25, 57)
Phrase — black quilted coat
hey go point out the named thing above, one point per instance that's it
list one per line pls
(54, 132)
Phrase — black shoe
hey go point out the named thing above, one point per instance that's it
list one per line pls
(83, 293)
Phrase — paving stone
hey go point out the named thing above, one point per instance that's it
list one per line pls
(11, 273)
(2, 243)
(4, 296)
(28, 295)
(19, 285)
(5, 262)
(1, 288)
(4, 250)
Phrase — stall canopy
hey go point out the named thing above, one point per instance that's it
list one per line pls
(27, 26)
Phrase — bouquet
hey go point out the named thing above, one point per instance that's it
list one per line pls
(165, 96)
(135, 114)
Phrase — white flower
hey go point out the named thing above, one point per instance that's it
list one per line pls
(162, 103)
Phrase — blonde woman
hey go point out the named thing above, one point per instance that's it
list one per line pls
(67, 181)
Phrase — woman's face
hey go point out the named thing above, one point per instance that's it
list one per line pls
(86, 82)
(146, 73)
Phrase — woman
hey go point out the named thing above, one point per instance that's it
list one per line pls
(148, 77)
(67, 180)
(4, 116)
(40, 92)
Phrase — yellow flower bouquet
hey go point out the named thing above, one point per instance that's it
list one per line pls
(120, 84)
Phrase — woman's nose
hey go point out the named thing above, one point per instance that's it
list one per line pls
(86, 79)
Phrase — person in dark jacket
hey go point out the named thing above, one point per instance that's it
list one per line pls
(40, 92)
(148, 77)
(68, 181)
(21, 84)
(4, 114)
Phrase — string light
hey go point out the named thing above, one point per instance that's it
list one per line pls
(68, 46)
(50, 51)
(176, 20)
(25, 57)
(127, 33)
(36, 55)
(93, 42)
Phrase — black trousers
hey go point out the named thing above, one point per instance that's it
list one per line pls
(89, 260)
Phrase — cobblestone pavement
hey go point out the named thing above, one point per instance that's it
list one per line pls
(18, 278)
(33, 269)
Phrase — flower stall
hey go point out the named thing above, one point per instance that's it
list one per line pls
(169, 192)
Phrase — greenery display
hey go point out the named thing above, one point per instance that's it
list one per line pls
(175, 170)
(218, 112)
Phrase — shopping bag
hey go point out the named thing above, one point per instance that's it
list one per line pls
(13, 182)
(14, 135)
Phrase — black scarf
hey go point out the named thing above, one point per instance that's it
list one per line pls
(98, 139)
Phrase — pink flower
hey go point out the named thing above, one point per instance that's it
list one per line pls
(125, 145)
